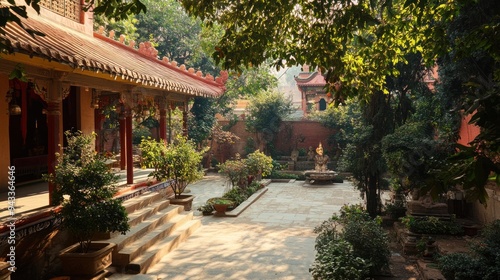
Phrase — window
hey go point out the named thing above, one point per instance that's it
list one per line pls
(322, 104)
(70, 9)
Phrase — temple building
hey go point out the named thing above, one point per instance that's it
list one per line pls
(72, 77)
(312, 87)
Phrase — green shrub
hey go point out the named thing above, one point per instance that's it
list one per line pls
(259, 164)
(236, 171)
(282, 175)
(338, 179)
(482, 263)
(489, 244)
(179, 160)
(396, 210)
(139, 133)
(250, 145)
(366, 239)
(253, 188)
(85, 188)
(432, 225)
(239, 195)
(369, 240)
(206, 208)
(460, 266)
(336, 260)
(236, 194)
(354, 212)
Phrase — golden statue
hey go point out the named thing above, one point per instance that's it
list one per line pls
(320, 160)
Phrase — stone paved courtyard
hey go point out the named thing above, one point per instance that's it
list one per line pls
(272, 239)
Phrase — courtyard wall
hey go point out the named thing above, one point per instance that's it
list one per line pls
(291, 134)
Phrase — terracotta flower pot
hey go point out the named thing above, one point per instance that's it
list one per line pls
(221, 208)
(95, 261)
(184, 200)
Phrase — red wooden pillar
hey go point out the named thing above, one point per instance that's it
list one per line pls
(169, 140)
(185, 119)
(123, 145)
(163, 125)
(128, 143)
(53, 141)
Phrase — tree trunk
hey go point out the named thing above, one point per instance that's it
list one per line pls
(371, 196)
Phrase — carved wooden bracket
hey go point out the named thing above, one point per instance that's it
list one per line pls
(41, 88)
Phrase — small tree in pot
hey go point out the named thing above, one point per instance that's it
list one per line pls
(179, 161)
(84, 189)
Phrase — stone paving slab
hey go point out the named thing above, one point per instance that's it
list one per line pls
(271, 239)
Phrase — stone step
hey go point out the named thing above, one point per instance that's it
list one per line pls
(154, 253)
(149, 237)
(147, 225)
(139, 215)
(141, 201)
(138, 209)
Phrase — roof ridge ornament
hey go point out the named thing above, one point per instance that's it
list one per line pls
(148, 49)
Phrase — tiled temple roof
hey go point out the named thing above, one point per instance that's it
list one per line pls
(98, 53)
(314, 79)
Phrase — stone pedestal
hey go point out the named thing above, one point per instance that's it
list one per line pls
(425, 206)
(318, 176)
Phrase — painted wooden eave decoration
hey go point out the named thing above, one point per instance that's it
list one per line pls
(99, 53)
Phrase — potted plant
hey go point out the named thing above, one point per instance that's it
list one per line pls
(206, 209)
(84, 189)
(259, 165)
(179, 161)
(220, 205)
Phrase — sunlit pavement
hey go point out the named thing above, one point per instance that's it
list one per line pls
(272, 239)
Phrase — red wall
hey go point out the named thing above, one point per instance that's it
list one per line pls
(311, 132)
(467, 131)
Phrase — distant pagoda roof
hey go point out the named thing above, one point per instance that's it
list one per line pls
(310, 79)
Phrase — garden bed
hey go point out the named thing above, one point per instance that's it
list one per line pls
(243, 206)
(236, 199)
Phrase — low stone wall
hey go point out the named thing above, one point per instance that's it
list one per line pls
(303, 165)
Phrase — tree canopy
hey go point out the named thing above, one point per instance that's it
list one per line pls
(266, 111)
(359, 43)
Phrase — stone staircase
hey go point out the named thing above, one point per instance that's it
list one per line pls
(156, 228)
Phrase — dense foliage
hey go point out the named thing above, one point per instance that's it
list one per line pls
(394, 133)
(241, 172)
(482, 263)
(235, 196)
(432, 225)
(266, 111)
(82, 175)
(361, 43)
(179, 161)
(235, 170)
(201, 121)
(259, 164)
(350, 246)
(471, 75)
